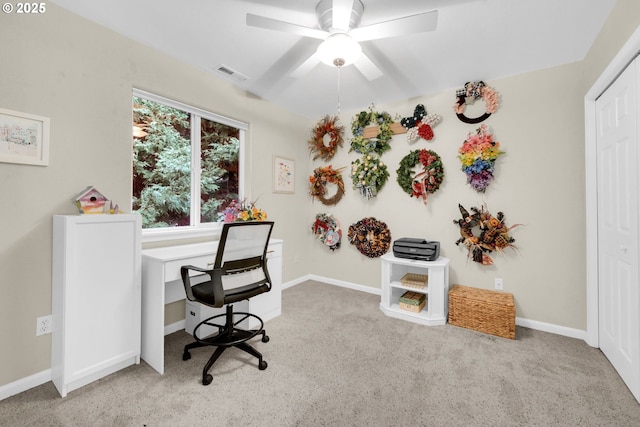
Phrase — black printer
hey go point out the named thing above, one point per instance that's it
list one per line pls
(413, 248)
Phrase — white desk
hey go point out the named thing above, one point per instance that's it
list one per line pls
(162, 284)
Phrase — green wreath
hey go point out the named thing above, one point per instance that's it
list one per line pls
(427, 180)
(368, 175)
(380, 143)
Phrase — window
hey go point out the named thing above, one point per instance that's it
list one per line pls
(186, 164)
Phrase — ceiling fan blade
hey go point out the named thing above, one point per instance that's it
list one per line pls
(304, 68)
(414, 24)
(341, 14)
(275, 79)
(368, 68)
(287, 27)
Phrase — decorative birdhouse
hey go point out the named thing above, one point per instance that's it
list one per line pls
(90, 201)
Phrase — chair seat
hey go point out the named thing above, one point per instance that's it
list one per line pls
(203, 293)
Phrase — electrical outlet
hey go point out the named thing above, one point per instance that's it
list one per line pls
(43, 325)
(498, 284)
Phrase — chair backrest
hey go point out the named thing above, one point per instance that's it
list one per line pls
(242, 241)
(242, 253)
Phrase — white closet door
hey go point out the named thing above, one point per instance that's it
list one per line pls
(618, 188)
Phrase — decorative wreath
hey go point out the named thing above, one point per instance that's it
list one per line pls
(380, 143)
(326, 137)
(370, 236)
(427, 180)
(420, 125)
(492, 234)
(327, 229)
(368, 175)
(478, 156)
(476, 90)
(319, 180)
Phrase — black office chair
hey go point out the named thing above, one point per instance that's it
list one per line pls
(239, 273)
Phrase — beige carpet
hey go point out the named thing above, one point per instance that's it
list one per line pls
(336, 360)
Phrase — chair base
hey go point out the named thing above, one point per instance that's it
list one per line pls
(228, 335)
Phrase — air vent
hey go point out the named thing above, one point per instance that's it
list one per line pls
(231, 73)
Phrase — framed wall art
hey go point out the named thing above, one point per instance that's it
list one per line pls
(24, 138)
(283, 175)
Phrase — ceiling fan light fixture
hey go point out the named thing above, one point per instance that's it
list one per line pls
(338, 50)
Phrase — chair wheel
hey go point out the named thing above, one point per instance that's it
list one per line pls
(265, 338)
(206, 380)
(262, 365)
(186, 355)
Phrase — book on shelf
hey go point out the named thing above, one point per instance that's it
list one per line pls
(413, 298)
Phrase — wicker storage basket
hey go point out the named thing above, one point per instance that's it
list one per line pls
(483, 310)
(413, 280)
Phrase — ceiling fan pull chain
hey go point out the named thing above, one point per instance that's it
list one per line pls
(339, 89)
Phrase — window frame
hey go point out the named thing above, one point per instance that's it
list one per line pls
(197, 229)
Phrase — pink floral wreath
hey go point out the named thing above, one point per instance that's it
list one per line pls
(476, 90)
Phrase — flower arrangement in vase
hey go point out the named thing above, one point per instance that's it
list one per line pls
(242, 211)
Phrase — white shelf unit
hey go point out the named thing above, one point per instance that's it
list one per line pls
(437, 290)
(96, 288)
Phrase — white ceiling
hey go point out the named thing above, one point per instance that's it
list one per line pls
(475, 40)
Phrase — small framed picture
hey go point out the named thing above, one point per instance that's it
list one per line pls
(24, 138)
(283, 175)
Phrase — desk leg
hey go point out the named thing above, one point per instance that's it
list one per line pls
(153, 315)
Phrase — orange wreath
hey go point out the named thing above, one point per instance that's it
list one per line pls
(318, 183)
(326, 137)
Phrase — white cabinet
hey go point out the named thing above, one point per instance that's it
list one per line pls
(96, 288)
(436, 291)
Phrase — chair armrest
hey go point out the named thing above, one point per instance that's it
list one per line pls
(186, 280)
(193, 267)
(215, 279)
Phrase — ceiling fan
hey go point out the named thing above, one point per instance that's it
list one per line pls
(339, 29)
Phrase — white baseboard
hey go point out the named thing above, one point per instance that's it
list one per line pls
(174, 327)
(24, 384)
(554, 329)
(527, 323)
(349, 285)
(294, 282)
(330, 281)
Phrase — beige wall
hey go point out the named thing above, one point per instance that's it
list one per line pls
(539, 183)
(81, 75)
(620, 25)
